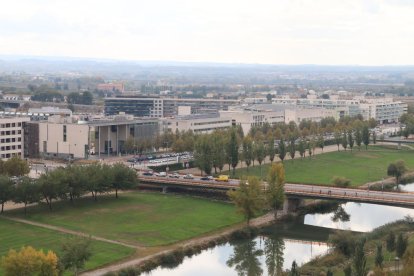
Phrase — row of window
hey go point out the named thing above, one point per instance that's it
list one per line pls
(11, 132)
(8, 155)
(10, 125)
(11, 147)
(11, 140)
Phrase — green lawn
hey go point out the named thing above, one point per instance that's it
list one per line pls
(15, 235)
(147, 219)
(359, 166)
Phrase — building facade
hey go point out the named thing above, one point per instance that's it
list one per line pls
(63, 137)
(163, 107)
(12, 136)
(197, 124)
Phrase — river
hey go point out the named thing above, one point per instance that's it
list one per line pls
(283, 243)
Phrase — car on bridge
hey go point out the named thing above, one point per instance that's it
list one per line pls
(222, 178)
(148, 173)
(174, 175)
(207, 178)
(188, 176)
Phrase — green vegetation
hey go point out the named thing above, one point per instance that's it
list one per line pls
(358, 166)
(137, 218)
(15, 235)
(356, 253)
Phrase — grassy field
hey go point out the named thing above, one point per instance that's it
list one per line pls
(359, 166)
(139, 218)
(15, 235)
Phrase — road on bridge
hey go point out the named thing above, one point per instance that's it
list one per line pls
(300, 190)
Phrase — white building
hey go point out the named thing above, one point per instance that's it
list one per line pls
(12, 136)
(383, 110)
(197, 123)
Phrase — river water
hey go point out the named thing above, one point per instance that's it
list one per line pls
(282, 243)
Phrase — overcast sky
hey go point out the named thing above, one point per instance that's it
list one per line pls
(239, 31)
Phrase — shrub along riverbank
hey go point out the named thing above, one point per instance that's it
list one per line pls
(376, 251)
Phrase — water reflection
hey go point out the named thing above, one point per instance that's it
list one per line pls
(363, 217)
(245, 258)
(268, 254)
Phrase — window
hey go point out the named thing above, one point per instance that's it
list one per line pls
(19, 124)
(64, 134)
(13, 125)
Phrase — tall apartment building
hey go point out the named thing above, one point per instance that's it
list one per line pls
(163, 107)
(12, 136)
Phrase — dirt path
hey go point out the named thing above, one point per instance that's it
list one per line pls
(260, 221)
(67, 231)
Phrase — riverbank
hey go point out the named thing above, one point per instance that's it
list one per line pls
(173, 255)
(344, 245)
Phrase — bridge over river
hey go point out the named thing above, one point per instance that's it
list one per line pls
(403, 199)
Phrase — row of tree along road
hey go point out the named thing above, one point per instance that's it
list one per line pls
(66, 183)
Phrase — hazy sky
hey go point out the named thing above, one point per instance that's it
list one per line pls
(262, 31)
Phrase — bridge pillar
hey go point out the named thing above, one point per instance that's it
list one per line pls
(292, 205)
(164, 189)
(399, 145)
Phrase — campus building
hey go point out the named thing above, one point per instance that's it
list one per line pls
(197, 123)
(63, 137)
(11, 136)
(383, 110)
(163, 107)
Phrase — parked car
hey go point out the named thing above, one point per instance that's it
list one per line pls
(174, 175)
(188, 176)
(207, 178)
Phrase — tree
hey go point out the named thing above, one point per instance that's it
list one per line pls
(350, 140)
(390, 242)
(75, 252)
(379, 257)
(247, 150)
(365, 136)
(52, 186)
(397, 169)
(233, 149)
(203, 152)
(248, 198)
(99, 179)
(301, 148)
(275, 193)
(292, 149)
(16, 166)
(218, 145)
(29, 261)
(321, 142)
(343, 242)
(337, 137)
(26, 192)
(271, 151)
(359, 260)
(374, 137)
(344, 141)
(401, 245)
(123, 178)
(6, 190)
(358, 138)
(260, 154)
(282, 150)
(294, 269)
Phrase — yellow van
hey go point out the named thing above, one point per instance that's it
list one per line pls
(222, 178)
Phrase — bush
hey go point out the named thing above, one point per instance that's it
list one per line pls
(343, 242)
(341, 181)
